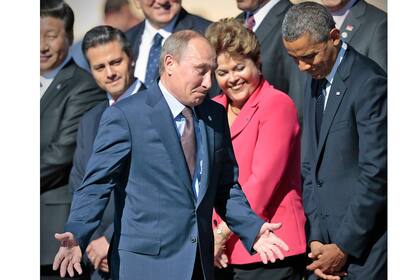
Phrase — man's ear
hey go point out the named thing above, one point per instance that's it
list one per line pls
(335, 36)
(169, 63)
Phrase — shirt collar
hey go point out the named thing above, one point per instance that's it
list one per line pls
(260, 13)
(330, 76)
(135, 86)
(175, 106)
(165, 32)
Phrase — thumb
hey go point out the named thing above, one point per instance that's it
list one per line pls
(270, 227)
(63, 236)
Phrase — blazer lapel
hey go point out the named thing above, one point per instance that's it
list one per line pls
(271, 20)
(207, 136)
(352, 22)
(337, 92)
(162, 120)
(312, 125)
(58, 85)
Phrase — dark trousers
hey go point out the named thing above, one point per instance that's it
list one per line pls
(291, 268)
(198, 270)
(47, 273)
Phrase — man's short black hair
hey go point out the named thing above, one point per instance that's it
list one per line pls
(60, 10)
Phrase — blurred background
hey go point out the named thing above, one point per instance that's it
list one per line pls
(91, 13)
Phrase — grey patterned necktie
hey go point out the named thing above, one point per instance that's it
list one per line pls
(188, 140)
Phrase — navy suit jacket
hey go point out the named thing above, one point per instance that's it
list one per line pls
(160, 225)
(345, 173)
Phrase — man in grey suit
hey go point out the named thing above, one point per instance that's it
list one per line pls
(166, 154)
(363, 26)
(277, 67)
(67, 92)
(345, 163)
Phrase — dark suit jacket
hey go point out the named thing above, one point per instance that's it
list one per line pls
(160, 222)
(70, 95)
(345, 174)
(365, 28)
(277, 66)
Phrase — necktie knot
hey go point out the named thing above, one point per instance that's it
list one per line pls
(157, 39)
(321, 86)
(250, 21)
(187, 113)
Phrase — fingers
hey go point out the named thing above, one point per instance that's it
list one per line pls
(269, 227)
(58, 259)
(104, 265)
(63, 266)
(224, 260)
(277, 241)
(318, 272)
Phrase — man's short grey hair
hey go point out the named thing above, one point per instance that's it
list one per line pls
(176, 44)
(307, 17)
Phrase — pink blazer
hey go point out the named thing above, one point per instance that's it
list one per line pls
(266, 140)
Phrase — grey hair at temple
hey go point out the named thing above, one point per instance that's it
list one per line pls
(176, 44)
(307, 17)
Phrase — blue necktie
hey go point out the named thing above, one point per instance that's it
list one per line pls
(153, 60)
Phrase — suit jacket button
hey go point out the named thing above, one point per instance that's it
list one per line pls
(319, 184)
(193, 240)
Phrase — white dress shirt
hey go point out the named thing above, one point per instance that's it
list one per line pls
(135, 86)
(262, 12)
(330, 76)
(146, 44)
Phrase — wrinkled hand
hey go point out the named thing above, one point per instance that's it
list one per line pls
(328, 261)
(97, 252)
(268, 245)
(68, 256)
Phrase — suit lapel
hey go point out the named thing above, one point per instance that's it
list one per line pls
(58, 85)
(137, 41)
(162, 120)
(183, 21)
(207, 134)
(271, 20)
(337, 92)
(352, 22)
(312, 126)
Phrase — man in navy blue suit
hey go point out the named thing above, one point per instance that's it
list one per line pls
(167, 156)
(345, 165)
(110, 59)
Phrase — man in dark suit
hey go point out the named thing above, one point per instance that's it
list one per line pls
(110, 58)
(345, 164)
(363, 26)
(277, 67)
(161, 18)
(167, 156)
(67, 92)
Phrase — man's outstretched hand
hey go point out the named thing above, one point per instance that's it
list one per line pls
(68, 256)
(268, 245)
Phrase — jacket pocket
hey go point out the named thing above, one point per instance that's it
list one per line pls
(141, 245)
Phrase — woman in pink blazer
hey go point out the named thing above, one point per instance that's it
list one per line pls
(265, 135)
